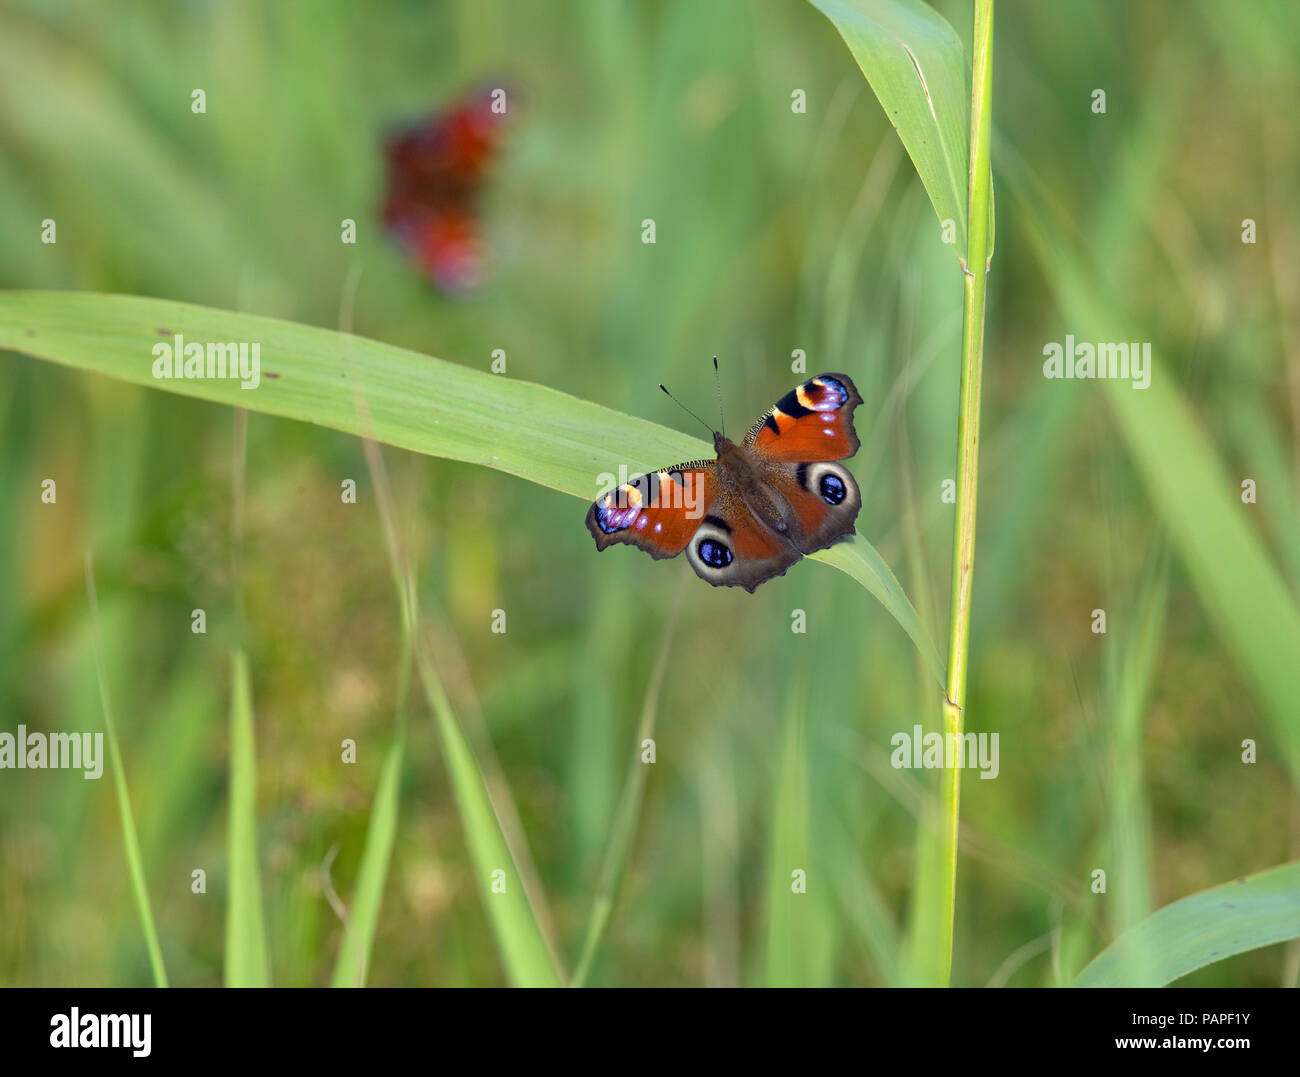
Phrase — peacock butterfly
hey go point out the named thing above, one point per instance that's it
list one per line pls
(761, 505)
(436, 171)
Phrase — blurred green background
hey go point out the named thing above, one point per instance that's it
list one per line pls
(776, 231)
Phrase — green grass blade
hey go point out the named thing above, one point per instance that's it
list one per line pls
(1130, 664)
(520, 941)
(1256, 910)
(353, 962)
(799, 927)
(360, 924)
(134, 861)
(1241, 588)
(866, 911)
(1239, 584)
(316, 375)
(968, 446)
(623, 827)
(916, 66)
(246, 951)
(786, 911)
(529, 957)
(1198, 501)
(412, 401)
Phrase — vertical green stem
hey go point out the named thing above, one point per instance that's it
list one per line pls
(968, 441)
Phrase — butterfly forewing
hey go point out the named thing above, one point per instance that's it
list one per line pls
(658, 511)
(813, 421)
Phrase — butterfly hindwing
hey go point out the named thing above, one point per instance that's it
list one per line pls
(812, 422)
(732, 548)
(823, 500)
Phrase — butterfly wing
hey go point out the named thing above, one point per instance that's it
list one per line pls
(794, 445)
(657, 512)
(813, 421)
(443, 242)
(823, 501)
(687, 507)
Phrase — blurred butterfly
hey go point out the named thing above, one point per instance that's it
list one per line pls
(761, 505)
(436, 171)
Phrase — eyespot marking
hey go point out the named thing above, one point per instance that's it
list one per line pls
(828, 395)
(714, 553)
(832, 488)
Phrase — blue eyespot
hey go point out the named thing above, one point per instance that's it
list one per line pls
(832, 489)
(714, 554)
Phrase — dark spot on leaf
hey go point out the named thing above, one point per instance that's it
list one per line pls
(269, 374)
(31, 332)
(165, 333)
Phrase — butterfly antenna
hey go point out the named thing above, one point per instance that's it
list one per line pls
(685, 408)
(717, 384)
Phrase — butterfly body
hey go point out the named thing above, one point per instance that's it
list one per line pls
(749, 515)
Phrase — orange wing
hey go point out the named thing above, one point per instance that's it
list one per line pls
(812, 422)
(823, 499)
(658, 512)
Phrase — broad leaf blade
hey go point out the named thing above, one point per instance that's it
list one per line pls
(317, 375)
(1254, 911)
(413, 401)
(916, 66)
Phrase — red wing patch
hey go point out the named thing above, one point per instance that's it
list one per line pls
(812, 422)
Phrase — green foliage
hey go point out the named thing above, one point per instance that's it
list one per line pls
(1250, 912)
(919, 72)
(247, 962)
(779, 234)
